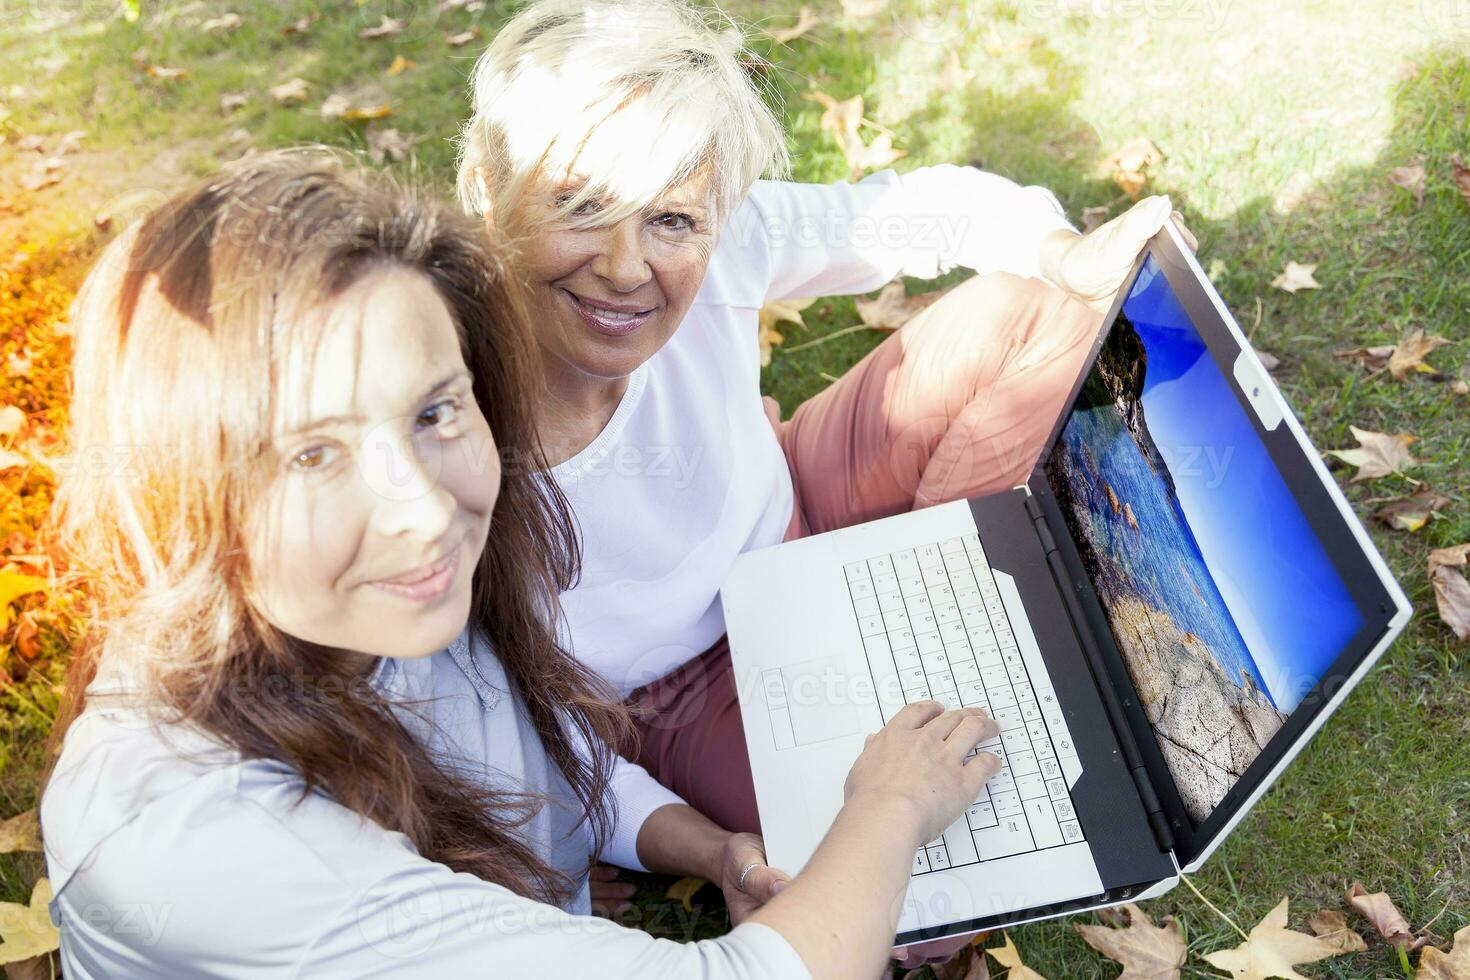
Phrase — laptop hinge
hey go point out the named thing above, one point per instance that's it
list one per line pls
(1132, 758)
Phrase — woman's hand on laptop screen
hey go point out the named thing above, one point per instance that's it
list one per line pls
(918, 768)
(1093, 267)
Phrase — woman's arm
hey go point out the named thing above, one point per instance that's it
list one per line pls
(912, 781)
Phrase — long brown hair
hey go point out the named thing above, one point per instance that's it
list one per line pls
(181, 327)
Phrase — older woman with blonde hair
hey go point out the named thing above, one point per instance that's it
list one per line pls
(626, 141)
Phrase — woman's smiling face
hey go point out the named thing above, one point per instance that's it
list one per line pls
(386, 475)
(607, 298)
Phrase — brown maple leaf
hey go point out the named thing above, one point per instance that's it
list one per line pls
(1436, 964)
(1412, 513)
(1331, 925)
(954, 75)
(1129, 162)
(1272, 950)
(1451, 589)
(1378, 454)
(1147, 951)
(1401, 358)
(1379, 909)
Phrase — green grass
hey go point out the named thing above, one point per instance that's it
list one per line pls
(1277, 124)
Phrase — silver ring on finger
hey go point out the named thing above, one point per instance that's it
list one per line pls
(740, 885)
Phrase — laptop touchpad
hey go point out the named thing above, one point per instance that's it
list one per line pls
(812, 701)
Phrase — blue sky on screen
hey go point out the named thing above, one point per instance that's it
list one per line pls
(1289, 603)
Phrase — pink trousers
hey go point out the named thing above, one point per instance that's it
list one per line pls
(955, 404)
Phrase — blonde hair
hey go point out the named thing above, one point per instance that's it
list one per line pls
(650, 92)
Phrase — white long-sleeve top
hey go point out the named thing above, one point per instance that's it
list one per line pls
(171, 856)
(688, 474)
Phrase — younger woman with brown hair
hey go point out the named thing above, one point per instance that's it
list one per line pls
(322, 725)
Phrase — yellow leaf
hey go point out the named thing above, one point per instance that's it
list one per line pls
(1147, 951)
(1412, 513)
(1408, 355)
(21, 832)
(1379, 454)
(26, 930)
(1272, 950)
(1296, 277)
(684, 890)
(788, 311)
(13, 585)
(1010, 958)
(399, 66)
(1435, 964)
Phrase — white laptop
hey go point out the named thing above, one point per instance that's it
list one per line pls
(1159, 620)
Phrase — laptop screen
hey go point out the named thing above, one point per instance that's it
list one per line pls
(1222, 601)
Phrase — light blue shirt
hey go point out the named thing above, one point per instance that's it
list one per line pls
(170, 855)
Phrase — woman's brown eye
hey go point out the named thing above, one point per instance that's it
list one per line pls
(309, 459)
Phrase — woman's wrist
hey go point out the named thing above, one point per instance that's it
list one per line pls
(678, 839)
(893, 815)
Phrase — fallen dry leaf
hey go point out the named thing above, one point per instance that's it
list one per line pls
(1378, 454)
(779, 311)
(292, 90)
(224, 23)
(1461, 175)
(21, 832)
(1331, 925)
(13, 586)
(71, 142)
(1451, 595)
(390, 144)
(1398, 359)
(1010, 958)
(166, 74)
(1378, 908)
(399, 66)
(893, 307)
(1272, 950)
(968, 964)
(26, 930)
(1094, 217)
(1436, 964)
(1412, 513)
(1147, 951)
(27, 637)
(231, 101)
(1268, 360)
(684, 890)
(387, 27)
(463, 37)
(954, 76)
(1128, 162)
(1297, 277)
(1411, 179)
(300, 26)
(842, 120)
(871, 156)
(805, 21)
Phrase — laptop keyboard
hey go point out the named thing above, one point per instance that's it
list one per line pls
(935, 613)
